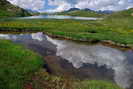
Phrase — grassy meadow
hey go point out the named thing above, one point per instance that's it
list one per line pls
(23, 69)
(115, 27)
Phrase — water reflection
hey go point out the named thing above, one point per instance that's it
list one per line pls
(60, 17)
(115, 59)
(79, 55)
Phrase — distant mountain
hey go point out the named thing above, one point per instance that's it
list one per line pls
(9, 10)
(105, 12)
(73, 9)
(87, 9)
(80, 12)
(77, 9)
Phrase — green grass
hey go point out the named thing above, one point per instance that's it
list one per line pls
(119, 30)
(117, 27)
(97, 84)
(16, 65)
(3, 13)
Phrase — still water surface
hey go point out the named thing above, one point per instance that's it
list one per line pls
(59, 17)
(80, 60)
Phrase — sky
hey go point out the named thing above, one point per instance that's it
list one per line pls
(61, 5)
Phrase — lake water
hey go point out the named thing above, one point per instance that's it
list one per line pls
(59, 17)
(80, 60)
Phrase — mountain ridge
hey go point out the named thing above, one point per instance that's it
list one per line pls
(87, 9)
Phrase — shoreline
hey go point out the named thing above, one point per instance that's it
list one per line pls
(108, 43)
(103, 42)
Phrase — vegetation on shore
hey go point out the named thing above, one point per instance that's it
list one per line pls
(116, 27)
(23, 69)
(17, 64)
(43, 80)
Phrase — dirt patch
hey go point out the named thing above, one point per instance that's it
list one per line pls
(43, 80)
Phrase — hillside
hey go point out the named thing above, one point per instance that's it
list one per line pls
(122, 14)
(9, 10)
(83, 13)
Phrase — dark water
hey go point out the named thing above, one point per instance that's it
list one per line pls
(60, 17)
(80, 60)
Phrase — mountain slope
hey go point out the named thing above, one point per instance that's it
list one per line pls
(122, 14)
(83, 13)
(9, 10)
(73, 9)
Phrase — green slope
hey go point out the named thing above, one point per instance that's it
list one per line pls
(82, 13)
(122, 14)
(9, 10)
(119, 14)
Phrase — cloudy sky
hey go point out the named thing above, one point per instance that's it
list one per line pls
(60, 5)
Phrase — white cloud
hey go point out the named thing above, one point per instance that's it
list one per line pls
(66, 4)
(93, 4)
(61, 5)
(29, 4)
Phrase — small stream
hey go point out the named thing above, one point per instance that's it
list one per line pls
(81, 61)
